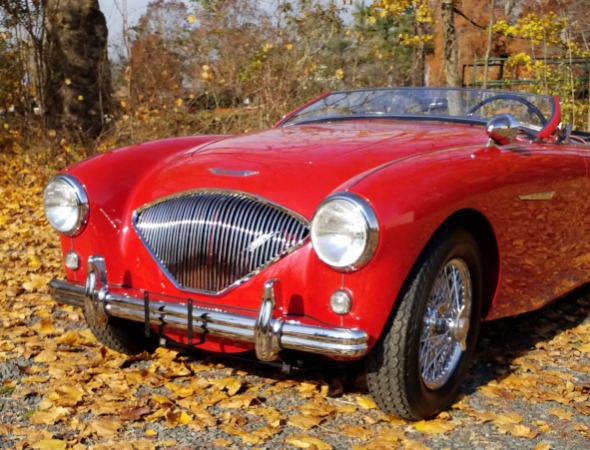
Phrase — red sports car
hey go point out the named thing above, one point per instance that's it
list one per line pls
(382, 224)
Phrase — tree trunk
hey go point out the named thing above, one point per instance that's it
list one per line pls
(489, 44)
(78, 81)
(419, 57)
(451, 58)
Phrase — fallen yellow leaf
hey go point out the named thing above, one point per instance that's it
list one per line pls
(161, 400)
(508, 419)
(561, 413)
(177, 418)
(50, 444)
(485, 416)
(105, 428)
(523, 431)
(366, 402)
(239, 401)
(434, 426)
(304, 441)
(45, 356)
(304, 422)
(49, 417)
(356, 431)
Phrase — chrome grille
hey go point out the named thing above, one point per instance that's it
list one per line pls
(210, 240)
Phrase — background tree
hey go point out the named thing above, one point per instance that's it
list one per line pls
(12, 76)
(21, 57)
(231, 65)
(451, 57)
(77, 81)
(157, 65)
(418, 38)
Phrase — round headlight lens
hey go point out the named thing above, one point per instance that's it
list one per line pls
(65, 203)
(344, 231)
(341, 302)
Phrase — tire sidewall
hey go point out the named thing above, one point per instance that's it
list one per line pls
(457, 243)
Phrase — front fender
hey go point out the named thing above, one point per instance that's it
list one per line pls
(412, 199)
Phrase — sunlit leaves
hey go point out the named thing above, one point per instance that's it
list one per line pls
(394, 9)
(546, 28)
(549, 60)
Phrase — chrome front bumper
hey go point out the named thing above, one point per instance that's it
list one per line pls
(269, 335)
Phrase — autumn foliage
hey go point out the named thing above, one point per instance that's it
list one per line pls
(224, 66)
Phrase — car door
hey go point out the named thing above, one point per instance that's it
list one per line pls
(540, 215)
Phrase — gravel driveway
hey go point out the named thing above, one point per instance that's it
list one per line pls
(528, 389)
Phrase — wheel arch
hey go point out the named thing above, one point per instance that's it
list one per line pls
(481, 229)
(397, 351)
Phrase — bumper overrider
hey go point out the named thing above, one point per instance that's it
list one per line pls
(269, 335)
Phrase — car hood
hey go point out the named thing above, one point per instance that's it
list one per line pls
(298, 166)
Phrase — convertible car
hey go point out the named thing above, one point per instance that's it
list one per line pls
(375, 224)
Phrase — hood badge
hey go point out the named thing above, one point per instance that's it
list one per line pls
(233, 173)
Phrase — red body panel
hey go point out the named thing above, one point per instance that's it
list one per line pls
(415, 175)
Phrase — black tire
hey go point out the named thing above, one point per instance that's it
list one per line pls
(123, 336)
(396, 378)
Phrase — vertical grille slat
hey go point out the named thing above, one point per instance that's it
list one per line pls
(208, 241)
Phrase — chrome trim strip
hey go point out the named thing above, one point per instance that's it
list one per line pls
(537, 196)
(273, 335)
(233, 173)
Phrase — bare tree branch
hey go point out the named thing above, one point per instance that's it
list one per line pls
(468, 19)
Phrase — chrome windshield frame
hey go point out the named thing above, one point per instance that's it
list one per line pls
(443, 104)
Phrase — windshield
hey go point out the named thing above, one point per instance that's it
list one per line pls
(533, 112)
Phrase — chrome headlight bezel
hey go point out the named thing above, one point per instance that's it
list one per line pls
(345, 232)
(65, 192)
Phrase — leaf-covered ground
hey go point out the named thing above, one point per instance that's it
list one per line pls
(60, 389)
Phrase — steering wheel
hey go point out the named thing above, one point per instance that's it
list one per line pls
(532, 109)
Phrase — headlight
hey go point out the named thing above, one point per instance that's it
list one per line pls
(344, 231)
(65, 203)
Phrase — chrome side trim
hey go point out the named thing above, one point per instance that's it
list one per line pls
(269, 335)
(537, 196)
(233, 173)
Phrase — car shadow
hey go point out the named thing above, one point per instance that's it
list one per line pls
(501, 342)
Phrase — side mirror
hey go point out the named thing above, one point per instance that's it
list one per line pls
(502, 129)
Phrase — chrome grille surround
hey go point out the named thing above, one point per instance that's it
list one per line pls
(212, 240)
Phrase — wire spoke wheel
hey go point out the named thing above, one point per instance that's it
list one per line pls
(420, 361)
(445, 324)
